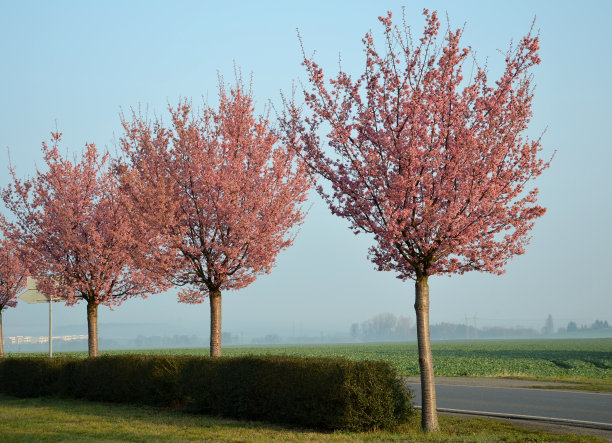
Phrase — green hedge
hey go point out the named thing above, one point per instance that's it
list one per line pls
(317, 393)
(30, 377)
(124, 379)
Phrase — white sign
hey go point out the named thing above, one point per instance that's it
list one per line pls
(32, 295)
(31, 283)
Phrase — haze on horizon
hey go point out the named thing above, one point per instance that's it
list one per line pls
(77, 65)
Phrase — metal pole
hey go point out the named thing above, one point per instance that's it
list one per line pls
(50, 327)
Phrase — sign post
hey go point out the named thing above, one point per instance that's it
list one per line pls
(50, 326)
(32, 295)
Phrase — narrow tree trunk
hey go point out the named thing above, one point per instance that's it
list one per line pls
(429, 420)
(1, 338)
(92, 328)
(215, 323)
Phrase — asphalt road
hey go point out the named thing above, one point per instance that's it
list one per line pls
(567, 405)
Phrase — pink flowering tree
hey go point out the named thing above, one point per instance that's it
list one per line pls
(76, 234)
(433, 164)
(12, 276)
(222, 191)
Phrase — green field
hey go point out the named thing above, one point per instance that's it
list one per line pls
(587, 360)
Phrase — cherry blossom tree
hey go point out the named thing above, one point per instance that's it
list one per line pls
(433, 164)
(12, 276)
(222, 191)
(77, 236)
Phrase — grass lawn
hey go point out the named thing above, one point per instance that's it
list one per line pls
(51, 419)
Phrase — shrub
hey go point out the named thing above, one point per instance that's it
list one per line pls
(317, 393)
(30, 377)
(148, 380)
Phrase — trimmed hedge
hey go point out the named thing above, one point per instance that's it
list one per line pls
(318, 393)
(30, 377)
(122, 379)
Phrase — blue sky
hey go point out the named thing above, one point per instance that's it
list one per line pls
(78, 64)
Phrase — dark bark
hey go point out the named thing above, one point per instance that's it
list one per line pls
(1, 338)
(92, 328)
(215, 323)
(429, 419)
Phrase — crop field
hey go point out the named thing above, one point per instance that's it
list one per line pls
(572, 359)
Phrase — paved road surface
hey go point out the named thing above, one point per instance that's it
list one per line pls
(572, 405)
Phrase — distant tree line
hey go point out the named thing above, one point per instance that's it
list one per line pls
(384, 326)
(572, 326)
(446, 331)
(597, 325)
(388, 327)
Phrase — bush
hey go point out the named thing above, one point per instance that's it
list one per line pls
(30, 377)
(125, 379)
(317, 393)
(320, 393)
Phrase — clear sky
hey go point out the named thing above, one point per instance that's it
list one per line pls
(77, 64)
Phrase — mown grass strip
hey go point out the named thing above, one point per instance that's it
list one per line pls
(52, 419)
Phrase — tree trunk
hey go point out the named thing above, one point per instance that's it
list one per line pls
(429, 420)
(215, 323)
(1, 338)
(92, 328)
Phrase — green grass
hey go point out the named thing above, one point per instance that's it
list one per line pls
(51, 419)
(584, 361)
